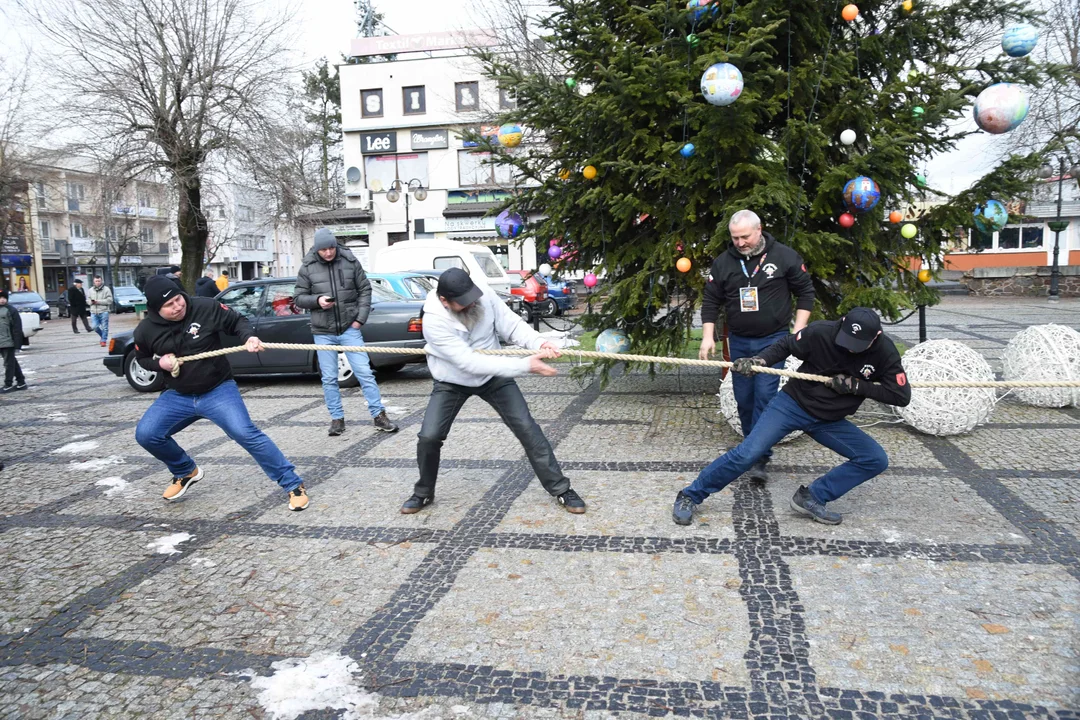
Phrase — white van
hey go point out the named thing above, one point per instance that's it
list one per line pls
(477, 260)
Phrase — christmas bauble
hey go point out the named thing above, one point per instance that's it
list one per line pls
(509, 224)
(895, 217)
(510, 135)
(545, 270)
(848, 137)
(1001, 107)
(590, 280)
(861, 194)
(612, 341)
(847, 220)
(554, 252)
(722, 84)
(907, 5)
(683, 265)
(850, 12)
(687, 150)
(571, 83)
(925, 275)
(589, 172)
(918, 111)
(1020, 39)
(909, 231)
(991, 216)
(700, 8)
(564, 174)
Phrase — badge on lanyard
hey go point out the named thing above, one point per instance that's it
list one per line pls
(748, 299)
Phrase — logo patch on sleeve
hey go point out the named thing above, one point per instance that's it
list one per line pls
(804, 267)
(901, 379)
(223, 306)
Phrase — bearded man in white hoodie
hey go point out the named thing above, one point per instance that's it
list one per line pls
(460, 317)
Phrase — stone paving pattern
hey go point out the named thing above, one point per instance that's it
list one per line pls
(951, 590)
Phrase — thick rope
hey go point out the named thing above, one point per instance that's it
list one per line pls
(621, 357)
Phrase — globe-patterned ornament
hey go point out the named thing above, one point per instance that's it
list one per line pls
(700, 8)
(991, 217)
(612, 341)
(510, 135)
(861, 194)
(722, 84)
(1001, 108)
(509, 224)
(1020, 39)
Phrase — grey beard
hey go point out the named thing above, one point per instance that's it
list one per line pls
(754, 251)
(471, 316)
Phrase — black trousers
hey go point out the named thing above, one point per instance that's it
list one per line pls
(502, 394)
(12, 371)
(75, 315)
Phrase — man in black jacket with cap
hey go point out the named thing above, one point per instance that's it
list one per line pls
(77, 307)
(862, 365)
(753, 282)
(180, 325)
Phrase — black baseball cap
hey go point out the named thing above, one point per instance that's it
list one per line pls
(858, 329)
(456, 285)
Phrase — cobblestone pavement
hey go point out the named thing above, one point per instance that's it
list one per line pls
(952, 588)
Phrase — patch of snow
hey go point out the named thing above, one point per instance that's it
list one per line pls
(116, 486)
(167, 545)
(95, 464)
(77, 447)
(395, 410)
(891, 535)
(79, 437)
(203, 562)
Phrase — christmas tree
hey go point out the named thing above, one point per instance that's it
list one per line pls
(630, 100)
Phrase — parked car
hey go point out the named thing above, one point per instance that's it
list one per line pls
(431, 278)
(126, 297)
(532, 287)
(563, 292)
(31, 323)
(477, 260)
(268, 304)
(407, 284)
(27, 302)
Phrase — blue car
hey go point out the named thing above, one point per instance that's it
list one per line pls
(30, 302)
(563, 292)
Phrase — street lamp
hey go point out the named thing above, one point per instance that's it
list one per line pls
(394, 194)
(1057, 224)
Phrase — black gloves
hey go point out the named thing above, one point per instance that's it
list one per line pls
(743, 365)
(844, 384)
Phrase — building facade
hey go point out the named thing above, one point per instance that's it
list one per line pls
(403, 122)
(241, 232)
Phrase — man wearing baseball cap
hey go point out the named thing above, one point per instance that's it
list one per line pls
(862, 364)
(460, 317)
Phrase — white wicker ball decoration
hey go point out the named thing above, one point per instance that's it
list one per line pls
(1044, 352)
(730, 409)
(946, 411)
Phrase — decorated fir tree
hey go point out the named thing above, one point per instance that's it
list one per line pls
(631, 100)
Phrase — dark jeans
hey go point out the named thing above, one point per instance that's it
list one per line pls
(753, 394)
(866, 459)
(75, 318)
(12, 372)
(502, 394)
(223, 406)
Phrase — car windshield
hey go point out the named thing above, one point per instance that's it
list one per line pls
(24, 297)
(515, 280)
(126, 290)
(488, 265)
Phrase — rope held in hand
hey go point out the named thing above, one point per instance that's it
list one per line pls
(593, 355)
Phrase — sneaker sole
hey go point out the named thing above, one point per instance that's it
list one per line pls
(679, 521)
(573, 510)
(387, 430)
(806, 513)
(192, 481)
(413, 511)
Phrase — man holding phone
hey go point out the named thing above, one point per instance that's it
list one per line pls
(332, 284)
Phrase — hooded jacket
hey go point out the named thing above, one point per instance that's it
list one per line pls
(199, 331)
(450, 344)
(205, 287)
(343, 279)
(780, 273)
(103, 296)
(12, 324)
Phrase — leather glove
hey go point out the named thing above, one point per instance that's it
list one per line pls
(743, 365)
(844, 384)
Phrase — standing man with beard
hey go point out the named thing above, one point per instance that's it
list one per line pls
(753, 282)
(333, 285)
(460, 317)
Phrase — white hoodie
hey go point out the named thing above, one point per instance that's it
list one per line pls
(450, 344)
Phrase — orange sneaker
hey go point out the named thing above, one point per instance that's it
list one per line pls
(298, 499)
(180, 485)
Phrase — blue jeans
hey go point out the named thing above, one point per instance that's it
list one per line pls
(328, 366)
(753, 394)
(223, 406)
(99, 322)
(866, 459)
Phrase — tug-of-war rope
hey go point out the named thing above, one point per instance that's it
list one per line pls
(623, 357)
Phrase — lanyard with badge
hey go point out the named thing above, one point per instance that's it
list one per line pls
(748, 296)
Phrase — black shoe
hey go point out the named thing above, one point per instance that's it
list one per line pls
(683, 512)
(7, 389)
(804, 503)
(572, 502)
(21, 386)
(382, 422)
(757, 471)
(416, 503)
(337, 426)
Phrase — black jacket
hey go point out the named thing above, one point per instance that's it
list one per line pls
(200, 331)
(205, 287)
(878, 371)
(17, 336)
(76, 301)
(782, 273)
(343, 279)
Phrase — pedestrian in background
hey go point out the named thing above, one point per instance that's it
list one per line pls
(101, 300)
(77, 307)
(223, 280)
(11, 339)
(205, 286)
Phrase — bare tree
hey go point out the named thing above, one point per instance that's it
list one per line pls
(176, 85)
